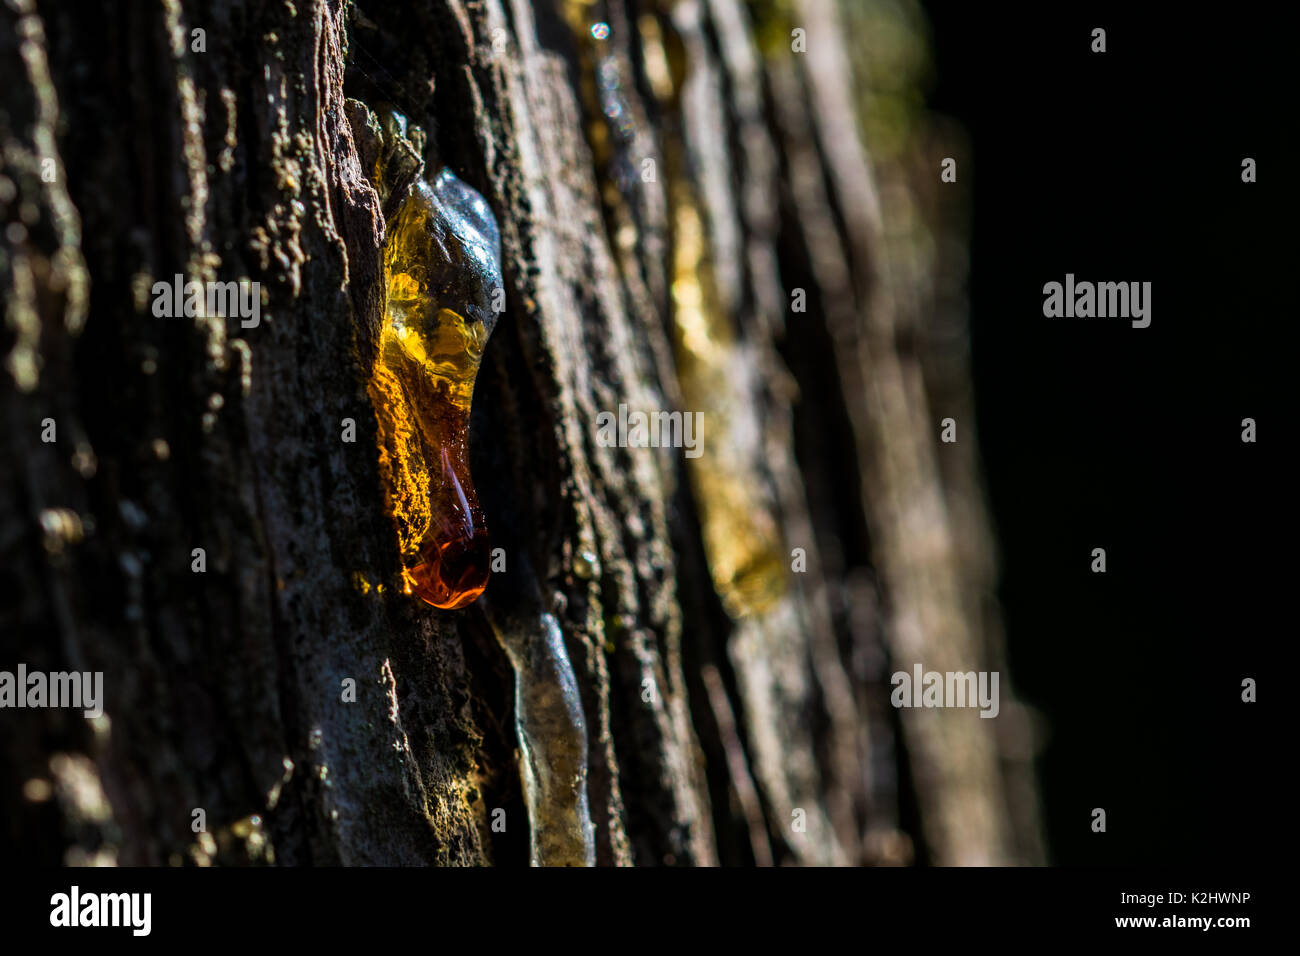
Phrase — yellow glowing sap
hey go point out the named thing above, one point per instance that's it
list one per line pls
(741, 538)
(443, 277)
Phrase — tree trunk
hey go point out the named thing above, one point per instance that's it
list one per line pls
(689, 221)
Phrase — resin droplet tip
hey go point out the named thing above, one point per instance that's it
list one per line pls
(452, 575)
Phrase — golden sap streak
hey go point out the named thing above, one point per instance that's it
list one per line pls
(741, 538)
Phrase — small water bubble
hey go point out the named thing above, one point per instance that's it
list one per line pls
(586, 565)
(600, 30)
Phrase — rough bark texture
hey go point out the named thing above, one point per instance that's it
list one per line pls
(714, 735)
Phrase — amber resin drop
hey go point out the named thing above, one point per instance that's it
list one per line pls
(442, 274)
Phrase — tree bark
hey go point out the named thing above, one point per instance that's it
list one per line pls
(674, 182)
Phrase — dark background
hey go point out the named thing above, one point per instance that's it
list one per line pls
(1126, 166)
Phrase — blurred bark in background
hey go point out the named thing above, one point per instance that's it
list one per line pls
(705, 205)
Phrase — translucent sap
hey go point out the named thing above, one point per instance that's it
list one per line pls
(442, 272)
